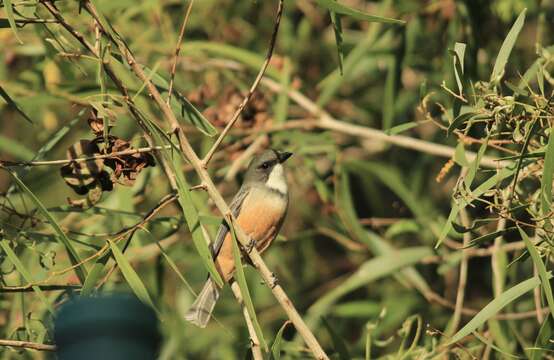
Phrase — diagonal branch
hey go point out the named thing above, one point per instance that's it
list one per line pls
(177, 51)
(186, 148)
(255, 84)
(27, 345)
(256, 349)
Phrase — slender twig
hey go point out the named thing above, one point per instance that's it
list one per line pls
(117, 236)
(326, 121)
(189, 153)
(28, 345)
(177, 51)
(83, 159)
(255, 84)
(239, 162)
(47, 287)
(118, 83)
(436, 298)
(496, 261)
(462, 279)
(537, 298)
(255, 342)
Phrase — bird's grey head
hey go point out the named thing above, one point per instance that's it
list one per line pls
(267, 169)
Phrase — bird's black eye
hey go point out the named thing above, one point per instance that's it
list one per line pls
(265, 165)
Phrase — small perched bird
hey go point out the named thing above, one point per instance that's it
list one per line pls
(259, 207)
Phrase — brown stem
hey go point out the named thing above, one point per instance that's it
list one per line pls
(189, 153)
(177, 51)
(28, 345)
(255, 84)
(255, 342)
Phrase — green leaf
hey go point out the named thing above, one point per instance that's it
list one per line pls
(541, 268)
(338, 341)
(371, 270)
(94, 275)
(337, 28)
(495, 306)
(489, 237)
(13, 104)
(193, 222)
(24, 272)
(459, 121)
(459, 51)
(490, 343)
(334, 6)
(506, 48)
(331, 83)
(390, 94)
(472, 171)
(547, 174)
(241, 280)
(62, 237)
(480, 190)
(378, 246)
(543, 343)
(195, 117)
(132, 278)
(401, 128)
(460, 155)
(249, 58)
(276, 347)
(9, 13)
(15, 148)
(357, 309)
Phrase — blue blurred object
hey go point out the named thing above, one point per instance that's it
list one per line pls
(106, 328)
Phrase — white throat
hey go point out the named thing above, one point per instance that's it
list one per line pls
(276, 180)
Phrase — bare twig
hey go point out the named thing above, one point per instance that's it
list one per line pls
(255, 342)
(259, 264)
(28, 345)
(244, 102)
(83, 159)
(326, 121)
(436, 298)
(537, 298)
(48, 287)
(237, 164)
(177, 50)
(496, 264)
(460, 294)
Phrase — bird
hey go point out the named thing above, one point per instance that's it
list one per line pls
(260, 207)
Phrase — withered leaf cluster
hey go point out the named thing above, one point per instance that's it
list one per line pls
(254, 115)
(103, 173)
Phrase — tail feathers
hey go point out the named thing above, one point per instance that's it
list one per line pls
(201, 310)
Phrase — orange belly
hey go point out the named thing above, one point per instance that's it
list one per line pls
(261, 216)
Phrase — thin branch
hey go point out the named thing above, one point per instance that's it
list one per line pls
(177, 51)
(49, 287)
(118, 83)
(436, 298)
(28, 345)
(240, 161)
(462, 281)
(255, 342)
(186, 148)
(537, 298)
(327, 122)
(8, 163)
(255, 84)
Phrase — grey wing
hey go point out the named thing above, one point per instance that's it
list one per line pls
(224, 228)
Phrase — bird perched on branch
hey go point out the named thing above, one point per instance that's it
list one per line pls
(259, 206)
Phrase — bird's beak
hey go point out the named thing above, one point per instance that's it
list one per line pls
(283, 156)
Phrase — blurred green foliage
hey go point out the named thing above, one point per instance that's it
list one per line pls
(358, 246)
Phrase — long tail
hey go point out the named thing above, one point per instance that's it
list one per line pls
(201, 310)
